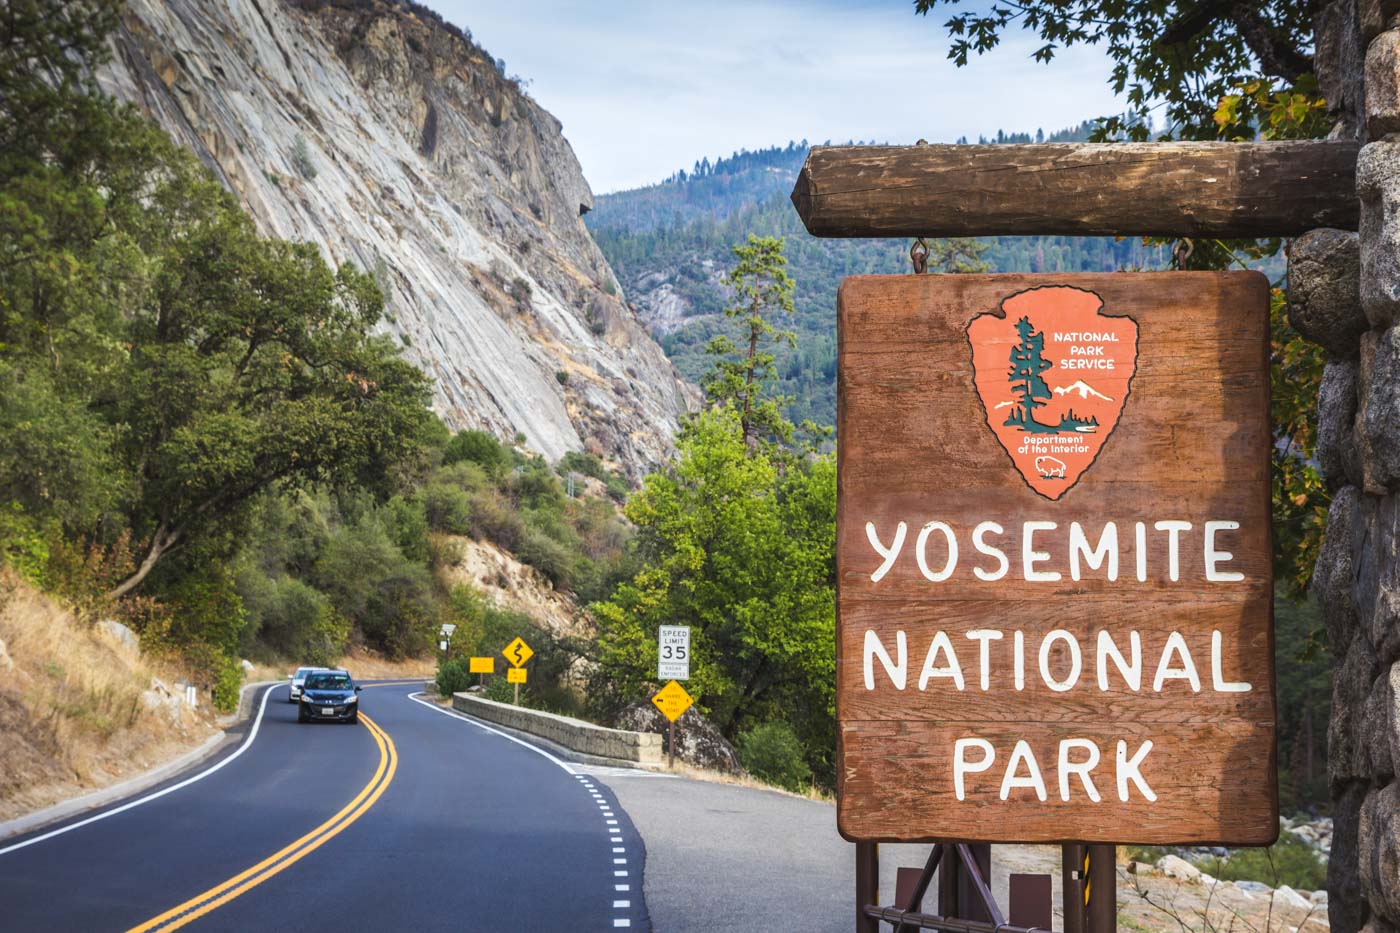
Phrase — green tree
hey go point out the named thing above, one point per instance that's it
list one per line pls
(762, 288)
(194, 360)
(738, 544)
(1184, 57)
(958, 254)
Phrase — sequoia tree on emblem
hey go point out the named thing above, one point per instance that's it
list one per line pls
(1053, 373)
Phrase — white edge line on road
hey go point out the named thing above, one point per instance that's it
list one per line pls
(481, 725)
(252, 734)
(617, 905)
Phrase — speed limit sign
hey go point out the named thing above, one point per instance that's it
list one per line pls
(673, 652)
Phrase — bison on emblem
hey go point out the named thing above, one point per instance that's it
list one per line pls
(1050, 467)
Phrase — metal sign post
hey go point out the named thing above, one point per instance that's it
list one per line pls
(673, 701)
(517, 653)
(481, 667)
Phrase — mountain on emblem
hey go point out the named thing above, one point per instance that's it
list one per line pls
(1053, 374)
(1083, 389)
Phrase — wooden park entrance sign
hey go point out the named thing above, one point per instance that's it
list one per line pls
(1054, 614)
(1054, 608)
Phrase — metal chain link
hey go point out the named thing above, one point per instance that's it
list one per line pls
(918, 255)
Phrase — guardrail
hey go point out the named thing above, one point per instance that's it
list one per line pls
(573, 734)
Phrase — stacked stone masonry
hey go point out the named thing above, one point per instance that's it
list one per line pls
(1344, 295)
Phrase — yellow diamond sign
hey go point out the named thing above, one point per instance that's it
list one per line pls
(517, 652)
(672, 700)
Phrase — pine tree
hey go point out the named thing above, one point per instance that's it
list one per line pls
(1027, 363)
(762, 287)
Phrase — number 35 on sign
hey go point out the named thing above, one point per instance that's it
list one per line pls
(673, 652)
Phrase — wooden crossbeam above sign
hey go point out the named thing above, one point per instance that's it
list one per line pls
(1185, 189)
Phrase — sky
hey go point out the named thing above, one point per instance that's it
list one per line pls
(646, 87)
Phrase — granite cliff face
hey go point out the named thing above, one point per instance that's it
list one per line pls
(394, 142)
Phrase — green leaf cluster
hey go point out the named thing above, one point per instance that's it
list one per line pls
(738, 544)
(1182, 57)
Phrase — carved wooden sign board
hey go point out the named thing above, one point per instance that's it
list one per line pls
(1053, 553)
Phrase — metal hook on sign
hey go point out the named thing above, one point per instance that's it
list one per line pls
(1182, 251)
(918, 255)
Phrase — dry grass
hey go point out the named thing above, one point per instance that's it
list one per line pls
(72, 715)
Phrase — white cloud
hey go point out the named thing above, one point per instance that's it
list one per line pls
(645, 88)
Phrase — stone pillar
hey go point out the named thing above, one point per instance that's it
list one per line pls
(1344, 294)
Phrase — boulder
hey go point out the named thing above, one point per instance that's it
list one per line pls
(1393, 734)
(1375, 17)
(120, 634)
(1319, 898)
(1346, 910)
(1347, 756)
(1378, 185)
(1375, 542)
(1370, 341)
(1379, 725)
(1380, 416)
(1176, 867)
(1378, 851)
(1339, 63)
(247, 666)
(1382, 79)
(1379, 925)
(5, 662)
(1253, 887)
(1332, 575)
(1284, 896)
(1324, 297)
(1336, 423)
(698, 742)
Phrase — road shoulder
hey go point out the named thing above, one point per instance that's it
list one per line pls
(206, 751)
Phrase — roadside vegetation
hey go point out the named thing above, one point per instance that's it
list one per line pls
(201, 433)
(77, 709)
(203, 437)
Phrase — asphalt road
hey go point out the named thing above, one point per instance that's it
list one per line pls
(723, 858)
(415, 819)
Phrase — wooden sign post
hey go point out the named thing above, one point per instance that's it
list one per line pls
(1053, 553)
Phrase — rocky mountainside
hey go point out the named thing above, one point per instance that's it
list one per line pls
(385, 135)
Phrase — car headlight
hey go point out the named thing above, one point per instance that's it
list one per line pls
(352, 699)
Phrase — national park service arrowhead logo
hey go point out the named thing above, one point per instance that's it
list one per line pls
(1053, 374)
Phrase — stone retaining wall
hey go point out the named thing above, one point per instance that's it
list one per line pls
(573, 734)
(1344, 295)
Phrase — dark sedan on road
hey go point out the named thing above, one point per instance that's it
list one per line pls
(329, 696)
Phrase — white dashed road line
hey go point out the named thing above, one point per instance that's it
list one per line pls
(581, 773)
(619, 851)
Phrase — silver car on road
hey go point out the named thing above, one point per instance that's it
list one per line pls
(297, 681)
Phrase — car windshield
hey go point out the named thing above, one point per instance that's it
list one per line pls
(328, 682)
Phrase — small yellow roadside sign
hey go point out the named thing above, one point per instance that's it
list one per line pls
(516, 675)
(672, 700)
(483, 665)
(517, 652)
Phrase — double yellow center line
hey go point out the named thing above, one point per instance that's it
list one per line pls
(221, 894)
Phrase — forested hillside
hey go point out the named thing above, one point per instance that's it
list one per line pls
(670, 246)
(205, 435)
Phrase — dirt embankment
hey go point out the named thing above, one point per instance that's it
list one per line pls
(78, 709)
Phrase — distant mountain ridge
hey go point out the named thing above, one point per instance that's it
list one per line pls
(669, 244)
